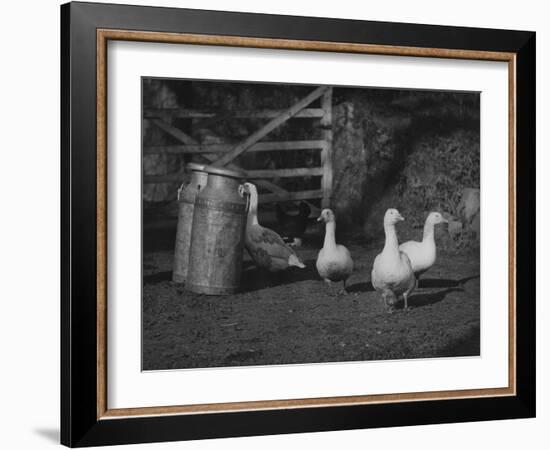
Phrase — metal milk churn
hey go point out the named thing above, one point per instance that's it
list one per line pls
(186, 207)
(217, 237)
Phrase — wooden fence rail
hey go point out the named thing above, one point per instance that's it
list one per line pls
(286, 173)
(290, 196)
(252, 174)
(221, 148)
(180, 113)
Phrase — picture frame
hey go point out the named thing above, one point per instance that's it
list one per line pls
(86, 418)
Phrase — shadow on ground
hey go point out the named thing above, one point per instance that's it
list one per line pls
(444, 282)
(419, 300)
(254, 279)
(360, 287)
(429, 283)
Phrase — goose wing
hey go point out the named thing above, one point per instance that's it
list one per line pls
(376, 279)
(267, 248)
(408, 281)
(422, 255)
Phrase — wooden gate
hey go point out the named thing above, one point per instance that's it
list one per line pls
(224, 154)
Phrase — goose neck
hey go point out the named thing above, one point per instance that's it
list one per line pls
(330, 239)
(428, 235)
(253, 208)
(391, 244)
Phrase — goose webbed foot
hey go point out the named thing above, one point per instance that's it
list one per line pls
(338, 293)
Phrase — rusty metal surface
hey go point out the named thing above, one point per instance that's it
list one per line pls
(186, 208)
(217, 237)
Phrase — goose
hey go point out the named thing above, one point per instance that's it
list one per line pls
(392, 274)
(423, 254)
(334, 261)
(266, 248)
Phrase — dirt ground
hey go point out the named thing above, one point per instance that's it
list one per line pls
(294, 318)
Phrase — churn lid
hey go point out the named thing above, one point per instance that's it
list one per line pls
(195, 167)
(225, 172)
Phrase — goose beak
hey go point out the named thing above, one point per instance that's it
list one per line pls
(319, 219)
(445, 220)
(400, 218)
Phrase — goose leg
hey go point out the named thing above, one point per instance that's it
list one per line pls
(343, 290)
(329, 284)
(389, 300)
(407, 293)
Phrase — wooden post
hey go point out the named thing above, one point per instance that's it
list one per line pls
(326, 153)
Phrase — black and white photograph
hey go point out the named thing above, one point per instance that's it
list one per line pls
(298, 224)
(275, 225)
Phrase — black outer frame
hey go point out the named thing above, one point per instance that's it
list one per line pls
(79, 425)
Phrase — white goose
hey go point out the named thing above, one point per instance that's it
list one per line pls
(423, 254)
(334, 261)
(266, 248)
(392, 273)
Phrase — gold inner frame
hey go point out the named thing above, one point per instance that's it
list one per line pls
(104, 35)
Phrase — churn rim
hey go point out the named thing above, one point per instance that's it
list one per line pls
(195, 167)
(225, 172)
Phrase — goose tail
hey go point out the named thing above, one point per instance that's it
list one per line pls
(293, 260)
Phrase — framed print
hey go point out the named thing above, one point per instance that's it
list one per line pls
(276, 224)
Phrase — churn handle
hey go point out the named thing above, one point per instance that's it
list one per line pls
(180, 189)
(242, 194)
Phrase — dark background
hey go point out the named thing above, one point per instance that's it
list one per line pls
(415, 149)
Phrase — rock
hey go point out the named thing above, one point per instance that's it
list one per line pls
(455, 228)
(468, 209)
(475, 225)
